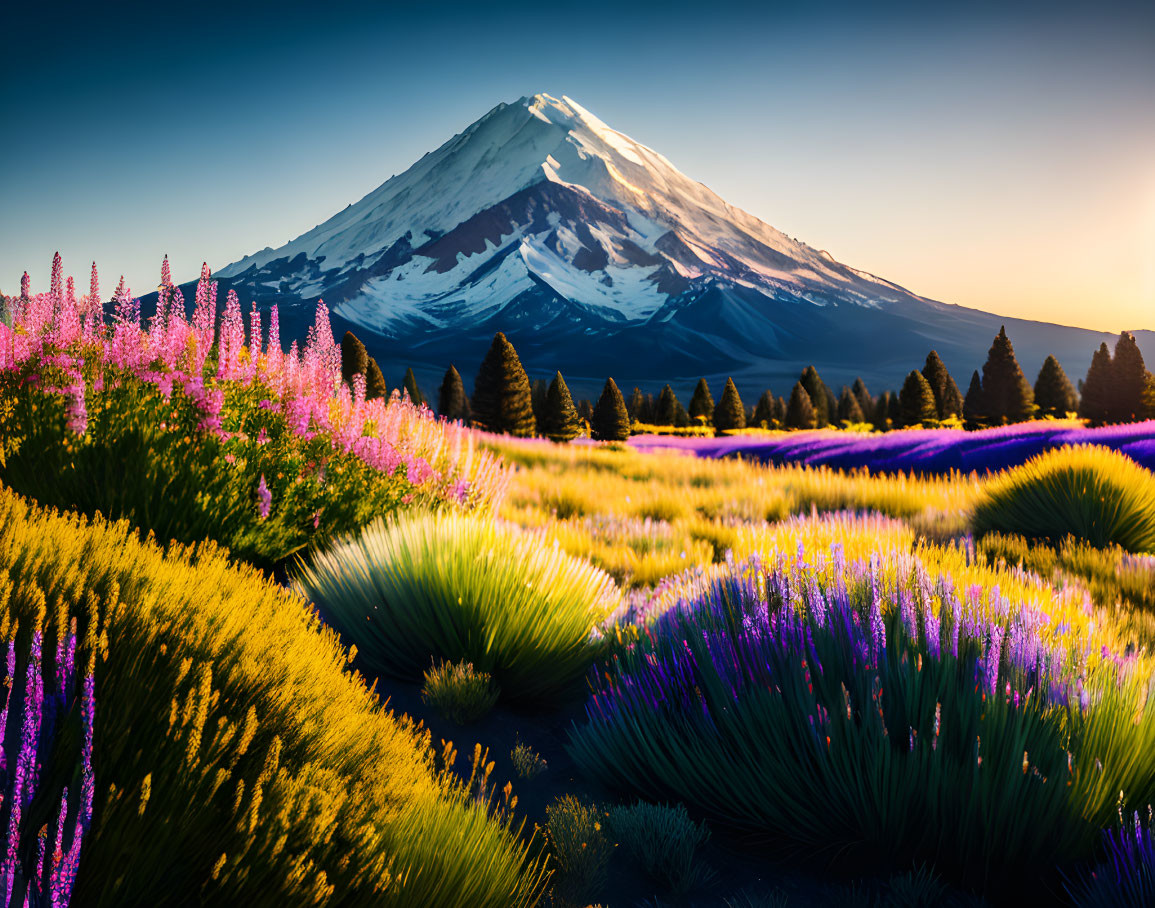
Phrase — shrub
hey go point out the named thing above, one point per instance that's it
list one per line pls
(239, 761)
(663, 840)
(459, 693)
(1089, 492)
(456, 587)
(527, 763)
(1127, 875)
(923, 736)
(580, 849)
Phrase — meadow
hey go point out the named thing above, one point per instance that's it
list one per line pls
(272, 641)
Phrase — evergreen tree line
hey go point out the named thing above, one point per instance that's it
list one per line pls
(1117, 388)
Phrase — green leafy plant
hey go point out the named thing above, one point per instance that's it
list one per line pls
(580, 849)
(1088, 492)
(527, 762)
(664, 841)
(456, 587)
(458, 692)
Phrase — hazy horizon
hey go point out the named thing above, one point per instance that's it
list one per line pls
(1002, 161)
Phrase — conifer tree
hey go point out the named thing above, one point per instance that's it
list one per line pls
(729, 414)
(1130, 380)
(1096, 402)
(562, 422)
(375, 382)
(849, 410)
(1054, 394)
(648, 409)
(412, 389)
(702, 404)
(635, 405)
(354, 359)
(451, 400)
(501, 395)
(1006, 394)
(974, 404)
(764, 411)
(881, 415)
(667, 408)
(916, 399)
(779, 413)
(894, 410)
(585, 411)
(800, 410)
(864, 398)
(948, 401)
(610, 421)
(538, 389)
(681, 417)
(1149, 396)
(820, 396)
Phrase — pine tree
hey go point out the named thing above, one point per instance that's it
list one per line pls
(894, 410)
(1098, 391)
(1130, 380)
(501, 396)
(764, 412)
(1006, 394)
(948, 401)
(1054, 394)
(702, 404)
(974, 405)
(849, 410)
(538, 390)
(585, 411)
(820, 396)
(667, 409)
(779, 413)
(354, 359)
(681, 417)
(1149, 396)
(648, 409)
(635, 404)
(800, 410)
(881, 415)
(610, 421)
(375, 382)
(729, 414)
(862, 395)
(916, 399)
(451, 400)
(561, 422)
(412, 389)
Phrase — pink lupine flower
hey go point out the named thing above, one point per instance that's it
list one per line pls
(25, 287)
(77, 411)
(264, 499)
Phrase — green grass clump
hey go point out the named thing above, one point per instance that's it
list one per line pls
(237, 759)
(1088, 492)
(456, 587)
(459, 692)
(580, 849)
(664, 841)
(527, 762)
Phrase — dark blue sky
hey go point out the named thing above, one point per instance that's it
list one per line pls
(1000, 159)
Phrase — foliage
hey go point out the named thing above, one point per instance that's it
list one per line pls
(239, 760)
(1129, 380)
(1127, 875)
(931, 727)
(663, 840)
(948, 401)
(580, 849)
(1055, 396)
(1089, 492)
(561, 419)
(455, 587)
(820, 396)
(375, 387)
(1096, 404)
(411, 388)
(354, 358)
(501, 395)
(527, 762)
(701, 408)
(451, 400)
(1006, 395)
(610, 421)
(918, 888)
(849, 410)
(729, 414)
(458, 692)
(916, 400)
(764, 411)
(800, 411)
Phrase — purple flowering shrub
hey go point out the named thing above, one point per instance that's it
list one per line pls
(886, 723)
(46, 747)
(195, 429)
(1126, 875)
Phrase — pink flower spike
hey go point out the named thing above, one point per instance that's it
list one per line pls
(264, 499)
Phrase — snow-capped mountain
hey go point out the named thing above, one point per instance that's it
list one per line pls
(597, 256)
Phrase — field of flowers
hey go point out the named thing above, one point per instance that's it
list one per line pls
(248, 612)
(924, 451)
